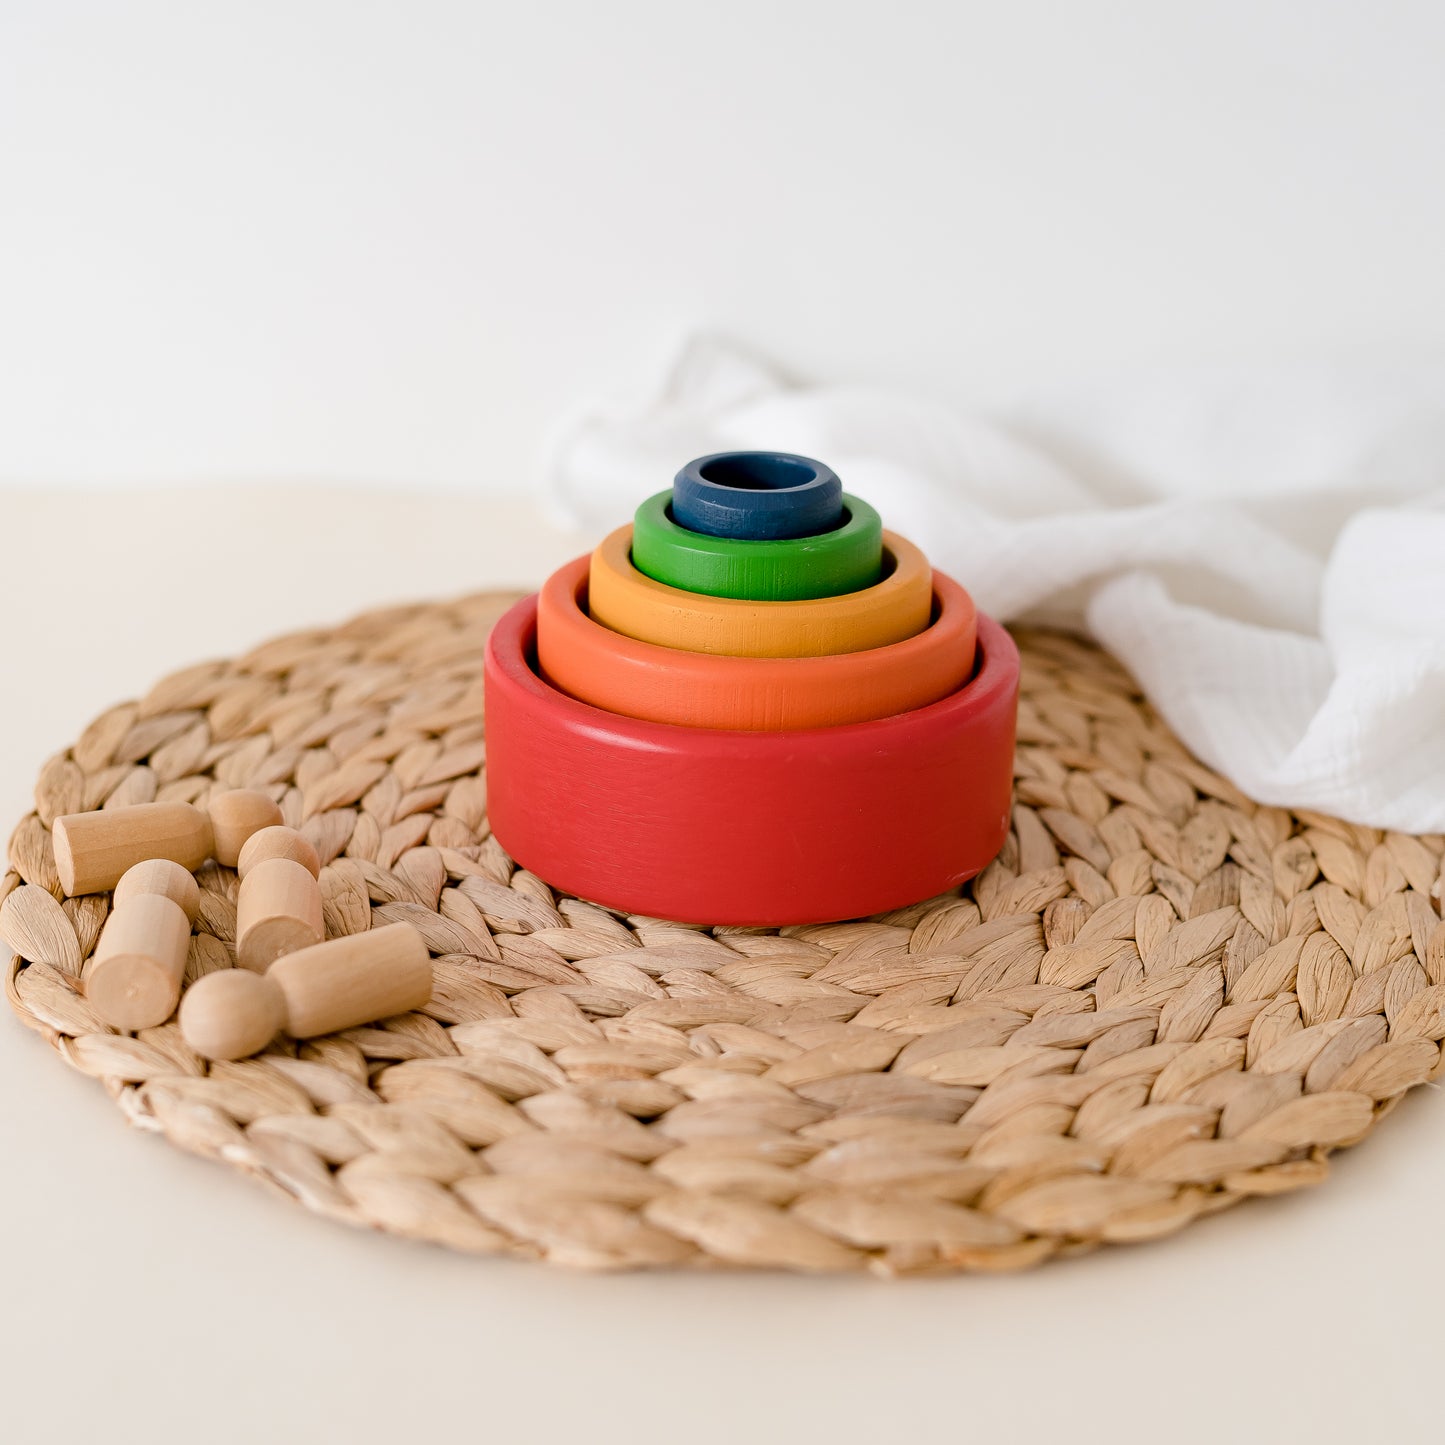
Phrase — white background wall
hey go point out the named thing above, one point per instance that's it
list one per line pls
(393, 242)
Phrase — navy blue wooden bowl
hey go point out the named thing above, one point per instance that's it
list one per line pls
(757, 496)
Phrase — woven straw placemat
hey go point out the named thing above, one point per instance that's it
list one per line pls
(1160, 1000)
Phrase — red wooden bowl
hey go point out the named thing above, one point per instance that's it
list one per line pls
(702, 825)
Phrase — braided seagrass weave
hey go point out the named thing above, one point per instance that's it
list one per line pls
(1160, 1000)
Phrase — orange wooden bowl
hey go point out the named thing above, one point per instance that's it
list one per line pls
(755, 694)
(628, 601)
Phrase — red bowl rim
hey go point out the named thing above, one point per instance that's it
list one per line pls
(512, 650)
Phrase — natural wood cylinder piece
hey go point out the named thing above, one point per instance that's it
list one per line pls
(337, 985)
(354, 980)
(134, 979)
(278, 911)
(278, 842)
(235, 816)
(161, 878)
(94, 850)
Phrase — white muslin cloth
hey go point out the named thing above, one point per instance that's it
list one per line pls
(1265, 552)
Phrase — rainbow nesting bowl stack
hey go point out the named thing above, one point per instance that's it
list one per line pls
(753, 706)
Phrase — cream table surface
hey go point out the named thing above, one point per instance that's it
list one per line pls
(149, 1296)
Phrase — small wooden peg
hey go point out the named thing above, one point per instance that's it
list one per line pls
(232, 1014)
(161, 878)
(134, 979)
(337, 985)
(94, 850)
(278, 842)
(354, 980)
(235, 816)
(277, 911)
